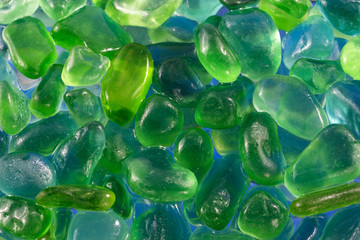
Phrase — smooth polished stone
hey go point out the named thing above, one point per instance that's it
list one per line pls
(12, 10)
(237, 4)
(61, 221)
(205, 233)
(311, 228)
(57, 9)
(198, 10)
(349, 58)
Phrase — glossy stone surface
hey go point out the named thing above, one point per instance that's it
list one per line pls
(198, 10)
(205, 233)
(23, 218)
(12, 10)
(215, 54)
(45, 135)
(315, 170)
(57, 9)
(98, 225)
(226, 141)
(220, 192)
(349, 58)
(75, 159)
(236, 4)
(46, 98)
(33, 56)
(61, 222)
(158, 121)
(291, 104)
(90, 27)
(154, 175)
(254, 37)
(260, 149)
(80, 197)
(311, 228)
(126, 83)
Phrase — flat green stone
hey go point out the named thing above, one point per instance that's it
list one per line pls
(57, 9)
(80, 197)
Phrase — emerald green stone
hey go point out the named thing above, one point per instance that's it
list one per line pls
(75, 159)
(332, 158)
(100, 3)
(194, 151)
(221, 191)
(23, 218)
(46, 98)
(84, 106)
(91, 27)
(318, 75)
(61, 223)
(237, 4)
(80, 197)
(349, 58)
(154, 175)
(148, 13)
(57, 9)
(205, 233)
(45, 135)
(214, 20)
(291, 104)
(126, 83)
(14, 109)
(158, 122)
(262, 216)
(34, 56)
(215, 54)
(84, 67)
(12, 10)
(260, 149)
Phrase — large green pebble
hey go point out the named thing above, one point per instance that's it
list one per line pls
(57, 9)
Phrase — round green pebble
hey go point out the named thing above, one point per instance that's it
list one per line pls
(349, 58)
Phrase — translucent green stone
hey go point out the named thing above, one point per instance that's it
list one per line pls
(215, 54)
(198, 10)
(332, 158)
(154, 175)
(75, 159)
(220, 192)
(14, 109)
(236, 4)
(91, 27)
(34, 56)
(4, 143)
(84, 106)
(61, 223)
(291, 104)
(100, 3)
(226, 141)
(148, 13)
(84, 67)
(205, 233)
(260, 149)
(190, 213)
(23, 218)
(194, 151)
(45, 135)
(254, 37)
(349, 58)
(318, 75)
(311, 228)
(126, 83)
(80, 197)
(46, 98)
(12, 10)
(57, 9)
(158, 122)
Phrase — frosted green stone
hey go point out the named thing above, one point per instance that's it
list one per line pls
(11, 10)
(57, 9)
(349, 58)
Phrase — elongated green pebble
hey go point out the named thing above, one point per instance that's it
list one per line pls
(45, 135)
(46, 98)
(33, 56)
(215, 54)
(23, 218)
(57, 9)
(61, 223)
(126, 83)
(14, 109)
(80, 197)
(326, 200)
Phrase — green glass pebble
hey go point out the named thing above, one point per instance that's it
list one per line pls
(100, 3)
(205, 233)
(75, 159)
(91, 27)
(311, 228)
(260, 149)
(158, 122)
(61, 223)
(215, 54)
(214, 20)
(254, 37)
(194, 151)
(14, 109)
(84, 67)
(318, 75)
(154, 175)
(237, 4)
(45, 135)
(262, 216)
(226, 141)
(332, 158)
(221, 191)
(148, 13)
(4, 143)
(46, 98)
(12, 10)
(79, 197)
(291, 104)
(190, 213)
(57, 9)
(47, 236)
(198, 10)
(126, 83)
(124, 203)
(34, 56)
(349, 58)
(84, 106)
(23, 218)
